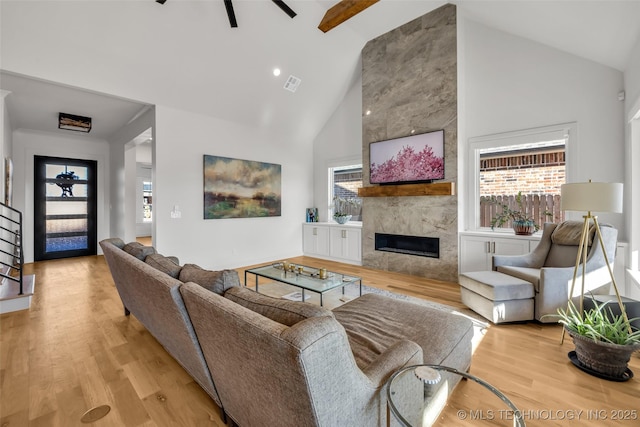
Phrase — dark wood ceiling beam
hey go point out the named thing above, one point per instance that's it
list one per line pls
(342, 11)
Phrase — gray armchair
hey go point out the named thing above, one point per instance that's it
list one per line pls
(549, 267)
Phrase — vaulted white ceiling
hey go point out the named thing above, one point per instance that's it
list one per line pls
(183, 54)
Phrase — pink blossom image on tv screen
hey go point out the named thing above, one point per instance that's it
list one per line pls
(412, 158)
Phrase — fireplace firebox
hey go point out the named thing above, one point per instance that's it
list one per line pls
(410, 245)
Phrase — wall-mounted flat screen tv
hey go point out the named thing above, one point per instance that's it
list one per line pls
(414, 158)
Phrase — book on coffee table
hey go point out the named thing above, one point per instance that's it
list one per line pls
(295, 296)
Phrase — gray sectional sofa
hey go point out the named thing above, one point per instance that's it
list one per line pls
(267, 361)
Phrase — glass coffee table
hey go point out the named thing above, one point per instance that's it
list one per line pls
(306, 278)
(417, 394)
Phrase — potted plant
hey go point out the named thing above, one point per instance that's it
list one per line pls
(522, 223)
(341, 208)
(604, 341)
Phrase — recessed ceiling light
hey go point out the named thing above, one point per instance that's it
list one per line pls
(276, 72)
(367, 112)
(413, 131)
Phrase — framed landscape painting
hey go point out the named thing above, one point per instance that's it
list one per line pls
(235, 188)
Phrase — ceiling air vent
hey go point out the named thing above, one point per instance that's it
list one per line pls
(292, 83)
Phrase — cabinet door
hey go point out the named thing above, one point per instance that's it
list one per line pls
(315, 240)
(474, 253)
(346, 244)
(309, 239)
(352, 244)
(510, 246)
(337, 244)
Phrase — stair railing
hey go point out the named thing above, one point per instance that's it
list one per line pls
(11, 236)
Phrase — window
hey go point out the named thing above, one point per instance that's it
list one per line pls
(147, 201)
(344, 182)
(531, 162)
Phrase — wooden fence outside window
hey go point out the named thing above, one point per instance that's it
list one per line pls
(535, 205)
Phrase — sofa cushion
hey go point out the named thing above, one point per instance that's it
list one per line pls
(215, 281)
(165, 264)
(115, 241)
(374, 323)
(282, 311)
(138, 250)
(501, 285)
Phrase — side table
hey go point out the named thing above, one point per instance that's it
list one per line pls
(489, 403)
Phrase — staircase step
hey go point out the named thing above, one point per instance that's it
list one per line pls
(11, 300)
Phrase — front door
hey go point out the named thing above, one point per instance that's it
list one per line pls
(65, 208)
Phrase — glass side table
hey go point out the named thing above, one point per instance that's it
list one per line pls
(417, 394)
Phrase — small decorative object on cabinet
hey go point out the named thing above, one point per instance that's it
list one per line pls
(312, 214)
(342, 219)
(522, 222)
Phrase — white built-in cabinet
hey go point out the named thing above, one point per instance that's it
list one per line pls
(477, 248)
(333, 241)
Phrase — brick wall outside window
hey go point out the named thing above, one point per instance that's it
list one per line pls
(537, 175)
(345, 185)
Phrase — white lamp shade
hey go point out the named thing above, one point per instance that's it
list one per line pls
(592, 197)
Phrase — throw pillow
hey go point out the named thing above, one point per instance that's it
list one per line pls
(164, 264)
(215, 281)
(569, 233)
(282, 311)
(138, 250)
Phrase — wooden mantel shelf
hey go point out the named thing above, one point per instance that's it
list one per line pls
(433, 189)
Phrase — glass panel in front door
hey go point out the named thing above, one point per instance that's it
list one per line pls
(66, 208)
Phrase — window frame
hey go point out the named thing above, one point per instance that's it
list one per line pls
(338, 164)
(566, 131)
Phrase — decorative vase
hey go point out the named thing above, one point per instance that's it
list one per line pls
(342, 219)
(524, 228)
(608, 359)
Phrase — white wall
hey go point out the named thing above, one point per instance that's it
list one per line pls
(181, 140)
(5, 152)
(339, 142)
(632, 78)
(7, 139)
(27, 144)
(122, 180)
(632, 160)
(513, 83)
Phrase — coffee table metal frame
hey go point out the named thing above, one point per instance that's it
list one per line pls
(518, 420)
(307, 280)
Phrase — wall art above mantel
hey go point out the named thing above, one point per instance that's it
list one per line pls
(425, 189)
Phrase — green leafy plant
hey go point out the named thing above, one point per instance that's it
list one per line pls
(598, 325)
(516, 215)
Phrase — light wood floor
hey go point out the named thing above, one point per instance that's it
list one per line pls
(74, 349)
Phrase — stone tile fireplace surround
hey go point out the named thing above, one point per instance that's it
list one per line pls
(409, 83)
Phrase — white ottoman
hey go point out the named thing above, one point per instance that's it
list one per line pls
(497, 296)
